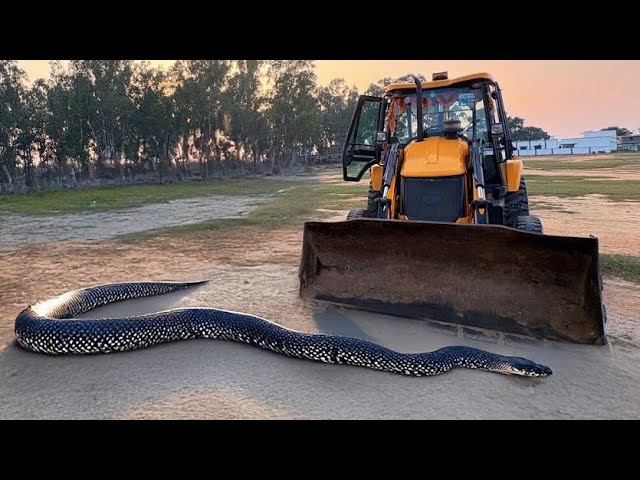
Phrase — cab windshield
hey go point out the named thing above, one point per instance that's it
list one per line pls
(438, 106)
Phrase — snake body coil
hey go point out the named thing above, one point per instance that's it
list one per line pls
(49, 327)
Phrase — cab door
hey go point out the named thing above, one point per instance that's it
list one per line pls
(361, 151)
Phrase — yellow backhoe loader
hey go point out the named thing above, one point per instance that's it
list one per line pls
(447, 234)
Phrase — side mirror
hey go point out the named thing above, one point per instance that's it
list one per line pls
(497, 129)
(381, 137)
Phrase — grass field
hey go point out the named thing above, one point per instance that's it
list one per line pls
(576, 186)
(626, 267)
(614, 160)
(111, 198)
(290, 206)
(295, 200)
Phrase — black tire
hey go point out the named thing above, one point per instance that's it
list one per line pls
(516, 204)
(529, 223)
(356, 214)
(372, 203)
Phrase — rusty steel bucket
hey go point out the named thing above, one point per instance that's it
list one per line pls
(489, 277)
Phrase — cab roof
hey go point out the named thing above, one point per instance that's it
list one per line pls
(439, 83)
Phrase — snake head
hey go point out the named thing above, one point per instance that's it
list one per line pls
(526, 368)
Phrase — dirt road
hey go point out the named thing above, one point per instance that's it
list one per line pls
(18, 230)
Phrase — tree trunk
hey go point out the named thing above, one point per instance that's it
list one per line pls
(185, 152)
(164, 157)
(28, 168)
(255, 157)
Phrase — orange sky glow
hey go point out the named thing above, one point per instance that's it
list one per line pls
(564, 97)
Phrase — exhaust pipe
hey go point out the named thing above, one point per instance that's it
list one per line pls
(419, 108)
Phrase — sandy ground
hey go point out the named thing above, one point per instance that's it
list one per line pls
(215, 379)
(256, 271)
(616, 224)
(623, 172)
(629, 173)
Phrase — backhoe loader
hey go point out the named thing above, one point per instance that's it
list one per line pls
(447, 235)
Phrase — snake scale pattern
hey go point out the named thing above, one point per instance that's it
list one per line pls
(49, 327)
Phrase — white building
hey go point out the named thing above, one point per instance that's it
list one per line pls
(629, 142)
(591, 142)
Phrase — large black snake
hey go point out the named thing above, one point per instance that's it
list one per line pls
(39, 328)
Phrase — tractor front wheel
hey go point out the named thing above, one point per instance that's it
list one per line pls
(372, 203)
(529, 223)
(356, 214)
(516, 204)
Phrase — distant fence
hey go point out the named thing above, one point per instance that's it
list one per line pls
(329, 156)
(533, 152)
(43, 179)
(328, 159)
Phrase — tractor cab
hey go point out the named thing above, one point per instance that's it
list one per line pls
(441, 130)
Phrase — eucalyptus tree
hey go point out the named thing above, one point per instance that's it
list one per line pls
(11, 94)
(108, 107)
(293, 109)
(245, 109)
(153, 125)
(199, 100)
(337, 102)
(31, 141)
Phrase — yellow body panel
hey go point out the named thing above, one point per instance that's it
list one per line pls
(391, 195)
(376, 177)
(435, 157)
(514, 172)
(439, 83)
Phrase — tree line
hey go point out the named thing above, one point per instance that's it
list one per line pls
(518, 132)
(620, 131)
(110, 118)
(521, 132)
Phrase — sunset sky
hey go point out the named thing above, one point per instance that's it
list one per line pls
(564, 97)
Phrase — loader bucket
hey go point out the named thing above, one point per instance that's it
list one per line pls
(486, 277)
